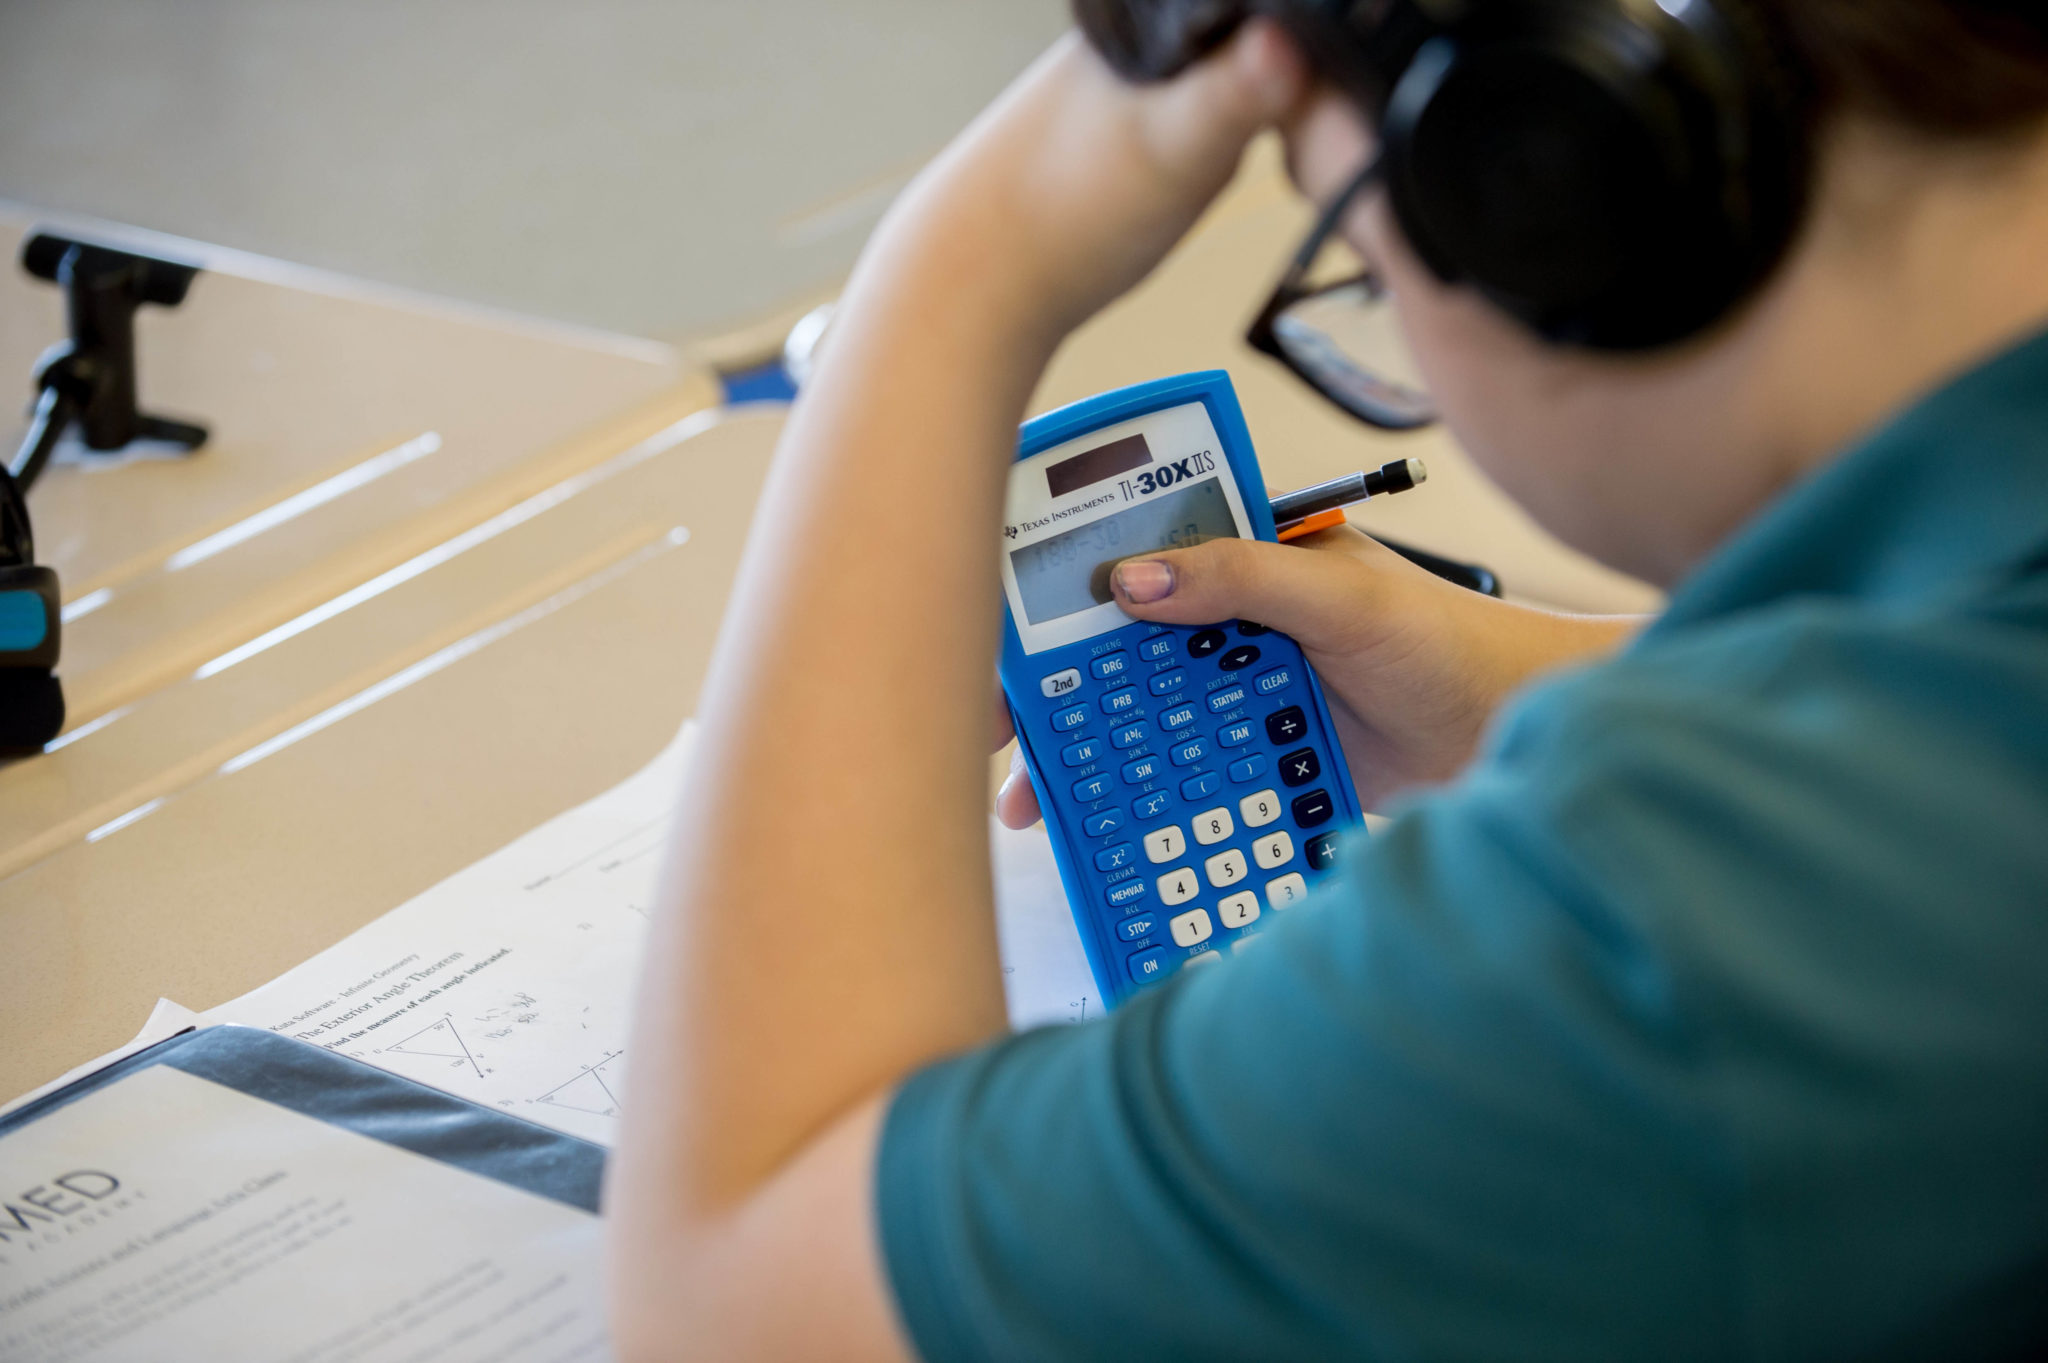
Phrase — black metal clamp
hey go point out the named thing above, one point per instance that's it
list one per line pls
(86, 382)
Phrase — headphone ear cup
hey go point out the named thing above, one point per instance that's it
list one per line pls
(1604, 198)
(31, 700)
(31, 617)
(31, 710)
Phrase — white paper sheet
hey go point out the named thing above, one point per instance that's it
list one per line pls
(510, 982)
(169, 1217)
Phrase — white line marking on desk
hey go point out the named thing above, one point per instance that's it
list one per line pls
(546, 500)
(86, 729)
(453, 653)
(116, 825)
(299, 503)
(84, 605)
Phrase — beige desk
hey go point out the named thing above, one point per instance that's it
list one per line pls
(436, 412)
(456, 712)
(352, 433)
(227, 826)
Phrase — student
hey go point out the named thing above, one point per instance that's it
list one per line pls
(1695, 1003)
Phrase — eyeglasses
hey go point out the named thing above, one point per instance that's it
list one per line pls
(1330, 323)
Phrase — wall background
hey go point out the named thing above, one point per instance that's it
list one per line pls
(660, 169)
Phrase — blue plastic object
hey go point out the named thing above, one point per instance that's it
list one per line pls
(1167, 710)
(23, 622)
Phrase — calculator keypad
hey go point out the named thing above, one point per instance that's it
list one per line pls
(1259, 810)
(1191, 928)
(1149, 730)
(1226, 868)
(1165, 844)
(1273, 851)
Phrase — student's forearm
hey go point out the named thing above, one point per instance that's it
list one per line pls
(829, 925)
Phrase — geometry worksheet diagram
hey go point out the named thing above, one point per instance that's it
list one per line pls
(510, 983)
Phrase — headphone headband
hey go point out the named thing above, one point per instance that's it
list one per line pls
(1619, 174)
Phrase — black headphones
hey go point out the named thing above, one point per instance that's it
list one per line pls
(1618, 174)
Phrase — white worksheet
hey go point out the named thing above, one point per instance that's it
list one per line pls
(510, 983)
(169, 1217)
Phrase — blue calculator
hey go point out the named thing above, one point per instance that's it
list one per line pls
(1190, 778)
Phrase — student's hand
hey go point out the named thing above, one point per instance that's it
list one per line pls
(1413, 666)
(1074, 184)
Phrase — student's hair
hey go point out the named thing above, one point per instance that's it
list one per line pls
(1967, 68)
(1957, 68)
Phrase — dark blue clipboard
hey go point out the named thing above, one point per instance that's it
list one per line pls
(366, 1100)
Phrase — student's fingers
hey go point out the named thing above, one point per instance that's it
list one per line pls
(1199, 122)
(1017, 802)
(1326, 591)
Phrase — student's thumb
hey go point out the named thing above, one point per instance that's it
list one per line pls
(1324, 597)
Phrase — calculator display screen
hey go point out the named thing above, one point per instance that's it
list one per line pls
(1070, 572)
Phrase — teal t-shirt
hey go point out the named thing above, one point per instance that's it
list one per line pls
(1705, 1017)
